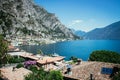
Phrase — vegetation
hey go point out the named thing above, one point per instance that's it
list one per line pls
(33, 68)
(43, 75)
(19, 65)
(29, 64)
(3, 50)
(105, 56)
(74, 59)
(5, 22)
(40, 52)
(26, 31)
(4, 57)
(55, 75)
(117, 76)
(15, 59)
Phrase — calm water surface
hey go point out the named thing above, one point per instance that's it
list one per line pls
(79, 48)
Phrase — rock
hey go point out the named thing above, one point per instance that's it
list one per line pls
(27, 18)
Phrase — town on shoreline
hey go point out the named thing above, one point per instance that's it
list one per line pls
(82, 70)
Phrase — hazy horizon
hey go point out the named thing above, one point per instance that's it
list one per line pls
(83, 15)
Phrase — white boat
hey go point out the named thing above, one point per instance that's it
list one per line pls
(55, 54)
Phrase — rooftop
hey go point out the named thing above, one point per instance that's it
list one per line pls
(45, 60)
(18, 74)
(42, 59)
(83, 71)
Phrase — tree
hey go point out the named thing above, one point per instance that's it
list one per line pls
(105, 56)
(37, 74)
(6, 22)
(55, 75)
(3, 50)
(43, 75)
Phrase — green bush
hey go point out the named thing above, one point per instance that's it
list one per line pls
(16, 59)
(19, 65)
(37, 75)
(3, 50)
(75, 59)
(33, 68)
(43, 75)
(117, 76)
(55, 75)
(105, 56)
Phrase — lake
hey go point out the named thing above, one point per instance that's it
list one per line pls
(78, 48)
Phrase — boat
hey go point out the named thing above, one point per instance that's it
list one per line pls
(55, 54)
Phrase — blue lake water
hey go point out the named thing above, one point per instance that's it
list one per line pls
(79, 48)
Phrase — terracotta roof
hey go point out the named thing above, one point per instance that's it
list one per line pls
(83, 71)
(29, 56)
(18, 74)
(50, 59)
(43, 59)
(11, 47)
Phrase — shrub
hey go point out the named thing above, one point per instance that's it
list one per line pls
(29, 63)
(43, 75)
(16, 59)
(37, 75)
(33, 68)
(3, 50)
(117, 76)
(105, 56)
(19, 65)
(74, 59)
(55, 75)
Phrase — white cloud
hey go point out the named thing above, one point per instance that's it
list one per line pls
(74, 22)
(84, 25)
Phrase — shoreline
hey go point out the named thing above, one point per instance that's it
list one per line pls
(35, 42)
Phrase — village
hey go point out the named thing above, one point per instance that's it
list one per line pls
(59, 39)
(31, 40)
(81, 70)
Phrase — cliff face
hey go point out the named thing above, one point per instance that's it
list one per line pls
(109, 32)
(23, 17)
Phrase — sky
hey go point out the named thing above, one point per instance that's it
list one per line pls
(83, 15)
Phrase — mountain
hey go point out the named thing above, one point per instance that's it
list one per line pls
(73, 30)
(20, 18)
(80, 33)
(111, 31)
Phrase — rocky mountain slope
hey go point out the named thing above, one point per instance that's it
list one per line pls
(78, 33)
(23, 17)
(109, 32)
